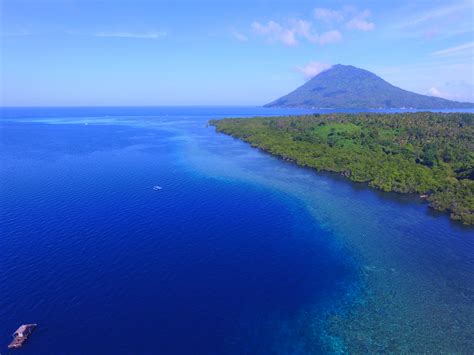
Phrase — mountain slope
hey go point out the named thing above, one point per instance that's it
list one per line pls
(345, 86)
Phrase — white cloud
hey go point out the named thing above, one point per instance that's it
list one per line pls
(296, 29)
(355, 19)
(328, 15)
(139, 35)
(312, 69)
(304, 29)
(275, 32)
(288, 38)
(437, 93)
(467, 48)
(360, 22)
(239, 36)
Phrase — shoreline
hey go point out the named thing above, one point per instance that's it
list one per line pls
(438, 199)
(401, 304)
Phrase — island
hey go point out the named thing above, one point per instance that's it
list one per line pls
(348, 87)
(431, 154)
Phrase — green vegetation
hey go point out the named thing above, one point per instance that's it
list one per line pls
(426, 153)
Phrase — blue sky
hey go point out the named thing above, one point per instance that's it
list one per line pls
(115, 52)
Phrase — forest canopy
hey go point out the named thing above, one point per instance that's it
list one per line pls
(427, 153)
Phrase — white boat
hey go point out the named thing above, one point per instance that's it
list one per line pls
(21, 335)
(156, 187)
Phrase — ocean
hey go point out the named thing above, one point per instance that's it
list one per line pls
(140, 230)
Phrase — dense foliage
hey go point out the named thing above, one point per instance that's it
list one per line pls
(345, 86)
(426, 153)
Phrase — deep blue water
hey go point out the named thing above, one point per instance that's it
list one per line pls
(233, 255)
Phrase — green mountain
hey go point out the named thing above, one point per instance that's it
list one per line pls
(345, 86)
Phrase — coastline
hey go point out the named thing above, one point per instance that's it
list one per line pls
(403, 294)
(442, 200)
(404, 301)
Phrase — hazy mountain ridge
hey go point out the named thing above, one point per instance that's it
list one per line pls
(345, 86)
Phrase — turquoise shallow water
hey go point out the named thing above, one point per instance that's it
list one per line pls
(239, 252)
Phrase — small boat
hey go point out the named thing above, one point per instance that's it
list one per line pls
(21, 335)
(156, 187)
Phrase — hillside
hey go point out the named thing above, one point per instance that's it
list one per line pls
(348, 87)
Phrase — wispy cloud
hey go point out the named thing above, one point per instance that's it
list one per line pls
(239, 36)
(437, 21)
(138, 35)
(467, 48)
(312, 69)
(436, 13)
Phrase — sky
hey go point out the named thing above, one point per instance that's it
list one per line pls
(117, 52)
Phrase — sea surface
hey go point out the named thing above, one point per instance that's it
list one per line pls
(143, 231)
